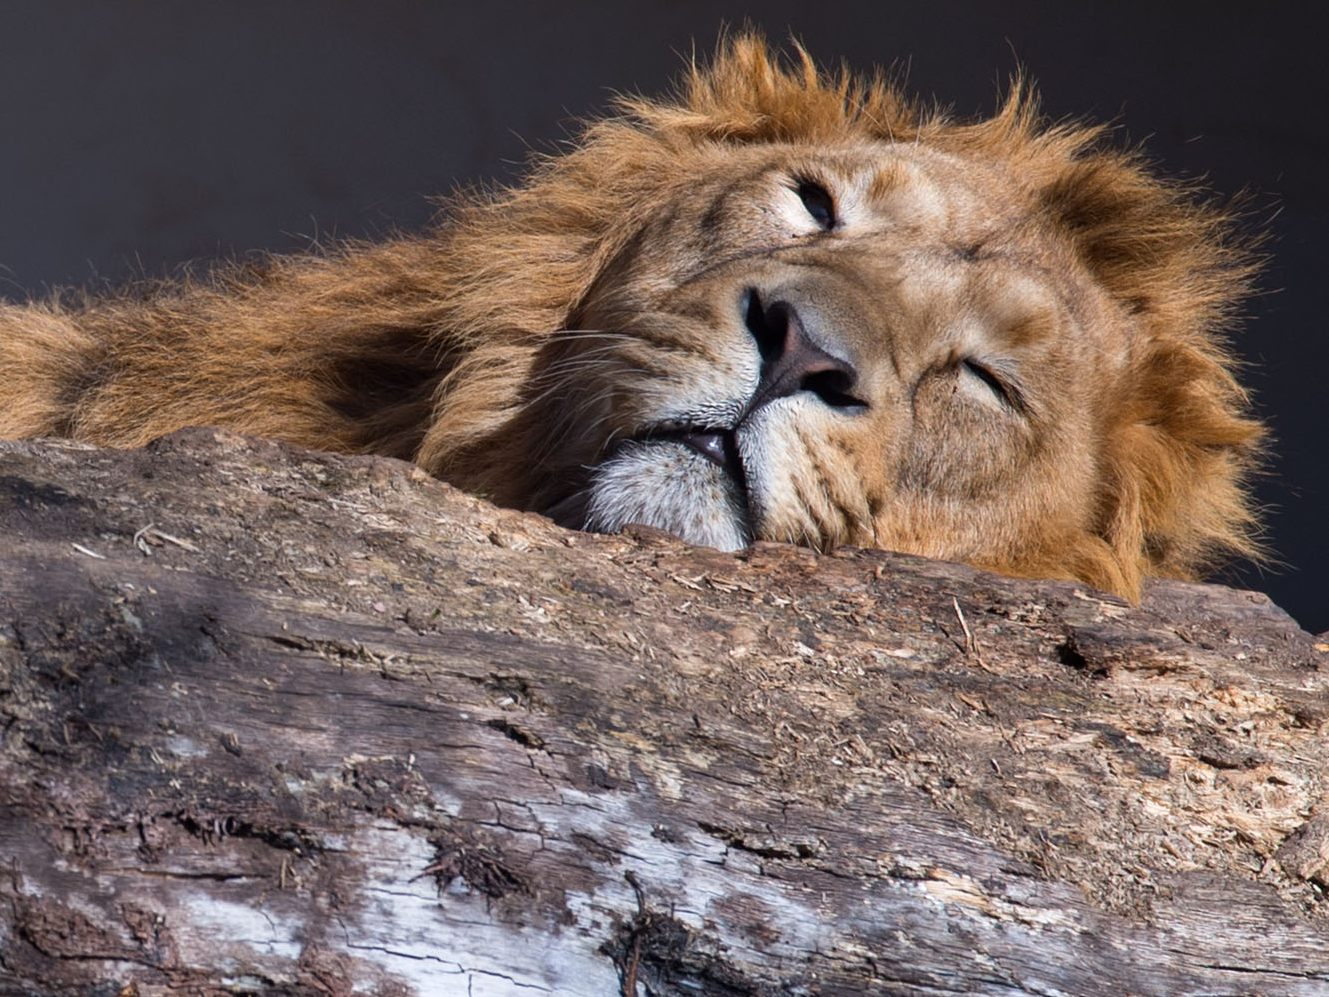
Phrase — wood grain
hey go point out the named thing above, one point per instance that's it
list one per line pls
(283, 722)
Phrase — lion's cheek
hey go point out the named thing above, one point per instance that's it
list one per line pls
(810, 478)
(665, 485)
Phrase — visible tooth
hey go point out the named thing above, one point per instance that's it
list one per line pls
(712, 444)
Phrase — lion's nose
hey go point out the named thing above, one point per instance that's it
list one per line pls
(791, 361)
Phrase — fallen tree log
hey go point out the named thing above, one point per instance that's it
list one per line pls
(285, 722)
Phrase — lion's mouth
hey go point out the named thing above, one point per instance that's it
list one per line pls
(719, 446)
(638, 482)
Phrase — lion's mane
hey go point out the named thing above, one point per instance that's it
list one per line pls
(423, 347)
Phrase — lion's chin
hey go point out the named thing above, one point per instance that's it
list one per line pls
(664, 484)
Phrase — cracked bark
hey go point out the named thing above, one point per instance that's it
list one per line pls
(283, 722)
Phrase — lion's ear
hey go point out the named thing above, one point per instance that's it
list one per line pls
(1156, 246)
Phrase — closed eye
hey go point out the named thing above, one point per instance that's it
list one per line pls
(818, 203)
(983, 378)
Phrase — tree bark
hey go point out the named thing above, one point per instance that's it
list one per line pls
(286, 722)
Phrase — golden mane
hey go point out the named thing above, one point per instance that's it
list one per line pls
(446, 326)
(1184, 444)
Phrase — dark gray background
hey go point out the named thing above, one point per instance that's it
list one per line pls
(135, 136)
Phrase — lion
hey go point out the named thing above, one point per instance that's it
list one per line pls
(780, 304)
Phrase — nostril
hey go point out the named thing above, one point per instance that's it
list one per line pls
(835, 388)
(750, 305)
(769, 327)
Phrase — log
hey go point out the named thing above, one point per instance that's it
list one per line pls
(285, 722)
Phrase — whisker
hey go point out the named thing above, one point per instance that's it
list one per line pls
(579, 334)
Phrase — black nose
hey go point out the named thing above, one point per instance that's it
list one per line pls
(791, 361)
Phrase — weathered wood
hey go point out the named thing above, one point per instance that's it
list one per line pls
(284, 722)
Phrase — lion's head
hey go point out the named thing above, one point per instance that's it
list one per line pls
(797, 307)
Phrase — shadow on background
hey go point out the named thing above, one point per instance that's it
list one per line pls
(137, 137)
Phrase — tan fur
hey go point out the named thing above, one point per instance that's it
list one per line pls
(444, 348)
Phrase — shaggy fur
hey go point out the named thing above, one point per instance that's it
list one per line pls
(512, 349)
